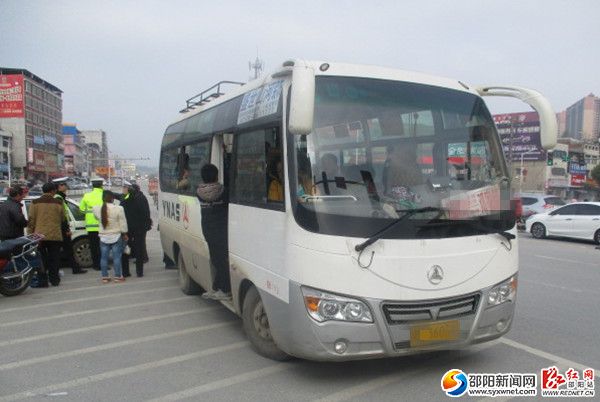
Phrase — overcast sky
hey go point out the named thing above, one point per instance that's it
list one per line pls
(127, 66)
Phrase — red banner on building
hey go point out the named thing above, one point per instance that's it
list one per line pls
(577, 180)
(12, 95)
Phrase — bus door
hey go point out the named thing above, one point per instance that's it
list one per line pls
(257, 203)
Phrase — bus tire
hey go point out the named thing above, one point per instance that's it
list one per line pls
(186, 283)
(256, 326)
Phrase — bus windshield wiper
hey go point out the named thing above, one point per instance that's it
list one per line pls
(407, 214)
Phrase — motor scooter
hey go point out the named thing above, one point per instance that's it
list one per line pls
(19, 259)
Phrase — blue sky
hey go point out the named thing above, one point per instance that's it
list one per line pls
(128, 66)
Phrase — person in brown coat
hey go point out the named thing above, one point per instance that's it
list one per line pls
(46, 217)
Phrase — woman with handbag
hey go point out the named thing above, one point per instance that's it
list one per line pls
(113, 235)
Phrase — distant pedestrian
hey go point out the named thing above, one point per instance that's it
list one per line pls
(12, 220)
(88, 202)
(137, 212)
(46, 216)
(112, 234)
(67, 246)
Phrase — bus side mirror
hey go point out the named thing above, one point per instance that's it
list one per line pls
(302, 105)
(548, 126)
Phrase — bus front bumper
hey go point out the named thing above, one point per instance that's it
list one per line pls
(389, 335)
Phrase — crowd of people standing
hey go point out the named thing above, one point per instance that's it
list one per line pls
(119, 230)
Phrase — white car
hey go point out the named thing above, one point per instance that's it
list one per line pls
(81, 245)
(579, 220)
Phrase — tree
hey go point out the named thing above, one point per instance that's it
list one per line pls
(595, 173)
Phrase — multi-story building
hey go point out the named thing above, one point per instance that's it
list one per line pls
(31, 123)
(77, 159)
(97, 138)
(583, 119)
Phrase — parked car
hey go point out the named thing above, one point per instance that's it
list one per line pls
(81, 245)
(579, 220)
(537, 203)
(35, 191)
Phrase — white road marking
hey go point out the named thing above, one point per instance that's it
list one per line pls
(227, 382)
(94, 278)
(113, 345)
(85, 312)
(122, 372)
(104, 326)
(43, 304)
(556, 286)
(544, 355)
(100, 285)
(566, 260)
(387, 379)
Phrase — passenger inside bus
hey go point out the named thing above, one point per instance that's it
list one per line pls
(402, 174)
(276, 180)
(183, 170)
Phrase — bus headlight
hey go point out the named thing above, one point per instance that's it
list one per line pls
(502, 292)
(323, 306)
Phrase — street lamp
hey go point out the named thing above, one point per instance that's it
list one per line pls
(533, 151)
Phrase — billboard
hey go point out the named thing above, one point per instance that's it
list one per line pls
(12, 95)
(520, 135)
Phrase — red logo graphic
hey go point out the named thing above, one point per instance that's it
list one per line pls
(551, 378)
(186, 216)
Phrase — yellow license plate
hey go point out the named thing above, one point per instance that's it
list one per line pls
(424, 334)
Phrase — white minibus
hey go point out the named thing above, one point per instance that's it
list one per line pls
(370, 212)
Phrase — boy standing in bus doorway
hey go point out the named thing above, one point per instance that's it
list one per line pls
(213, 202)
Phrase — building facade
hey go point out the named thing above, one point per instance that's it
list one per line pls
(31, 122)
(98, 145)
(582, 120)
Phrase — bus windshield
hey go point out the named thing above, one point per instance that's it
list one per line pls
(381, 148)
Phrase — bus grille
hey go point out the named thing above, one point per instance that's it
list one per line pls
(401, 313)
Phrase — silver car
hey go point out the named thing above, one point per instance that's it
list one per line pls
(537, 203)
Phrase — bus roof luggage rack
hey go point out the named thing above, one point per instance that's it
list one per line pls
(207, 95)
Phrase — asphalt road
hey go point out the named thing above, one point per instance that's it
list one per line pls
(145, 340)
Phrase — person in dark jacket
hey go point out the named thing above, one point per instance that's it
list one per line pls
(214, 209)
(12, 220)
(137, 213)
(67, 245)
(46, 215)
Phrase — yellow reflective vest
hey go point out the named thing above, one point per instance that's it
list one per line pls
(65, 207)
(89, 201)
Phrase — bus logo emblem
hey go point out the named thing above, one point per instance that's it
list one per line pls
(435, 274)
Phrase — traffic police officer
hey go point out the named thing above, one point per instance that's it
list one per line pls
(92, 225)
(67, 245)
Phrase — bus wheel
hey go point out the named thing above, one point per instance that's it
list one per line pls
(256, 326)
(187, 284)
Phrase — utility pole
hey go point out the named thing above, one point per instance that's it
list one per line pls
(521, 169)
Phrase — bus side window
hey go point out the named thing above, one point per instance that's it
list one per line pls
(257, 155)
